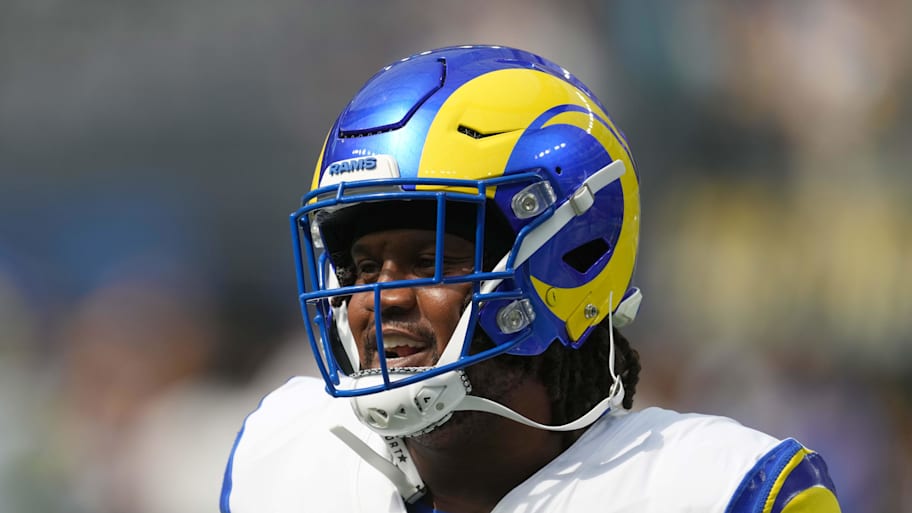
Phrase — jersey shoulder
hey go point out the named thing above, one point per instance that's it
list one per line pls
(785, 476)
(788, 479)
(649, 461)
(266, 470)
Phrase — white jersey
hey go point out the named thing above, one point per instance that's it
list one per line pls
(285, 460)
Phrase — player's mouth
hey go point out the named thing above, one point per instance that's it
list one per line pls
(405, 351)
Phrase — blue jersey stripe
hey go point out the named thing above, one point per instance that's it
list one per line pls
(751, 494)
(811, 472)
(224, 507)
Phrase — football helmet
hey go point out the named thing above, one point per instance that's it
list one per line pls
(505, 149)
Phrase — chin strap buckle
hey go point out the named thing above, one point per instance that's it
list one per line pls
(582, 200)
(627, 310)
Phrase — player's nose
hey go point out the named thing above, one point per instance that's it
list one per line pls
(395, 297)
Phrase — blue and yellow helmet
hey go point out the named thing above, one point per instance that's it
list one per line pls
(508, 150)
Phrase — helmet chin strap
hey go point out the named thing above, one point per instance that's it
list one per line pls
(610, 404)
(403, 473)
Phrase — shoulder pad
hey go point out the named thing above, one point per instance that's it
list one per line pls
(788, 479)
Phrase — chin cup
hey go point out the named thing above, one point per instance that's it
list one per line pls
(410, 409)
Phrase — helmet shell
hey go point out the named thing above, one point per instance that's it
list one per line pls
(484, 112)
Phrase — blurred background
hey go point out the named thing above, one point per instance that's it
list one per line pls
(151, 151)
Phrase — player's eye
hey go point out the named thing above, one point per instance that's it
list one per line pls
(426, 261)
(424, 264)
(366, 270)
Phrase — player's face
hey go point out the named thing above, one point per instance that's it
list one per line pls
(416, 322)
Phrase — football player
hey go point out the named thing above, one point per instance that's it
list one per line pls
(465, 260)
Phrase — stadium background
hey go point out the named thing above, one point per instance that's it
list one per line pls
(150, 152)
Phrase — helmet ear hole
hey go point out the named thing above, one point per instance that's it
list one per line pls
(582, 258)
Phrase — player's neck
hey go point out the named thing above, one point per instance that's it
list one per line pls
(473, 476)
(470, 463)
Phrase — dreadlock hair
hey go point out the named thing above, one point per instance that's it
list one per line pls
(577, 379)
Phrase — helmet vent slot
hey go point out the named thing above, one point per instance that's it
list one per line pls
(475, 134)
(584, 257)
(366, 133)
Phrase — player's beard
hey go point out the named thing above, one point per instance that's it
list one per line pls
(496, 379)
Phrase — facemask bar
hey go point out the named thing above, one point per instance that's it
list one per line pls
(316, 269)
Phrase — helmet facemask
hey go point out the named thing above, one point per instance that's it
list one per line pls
(500, 298)
(336, 220)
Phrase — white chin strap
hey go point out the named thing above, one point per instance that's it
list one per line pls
(423, 406)
(404, 474)
(611, 404)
